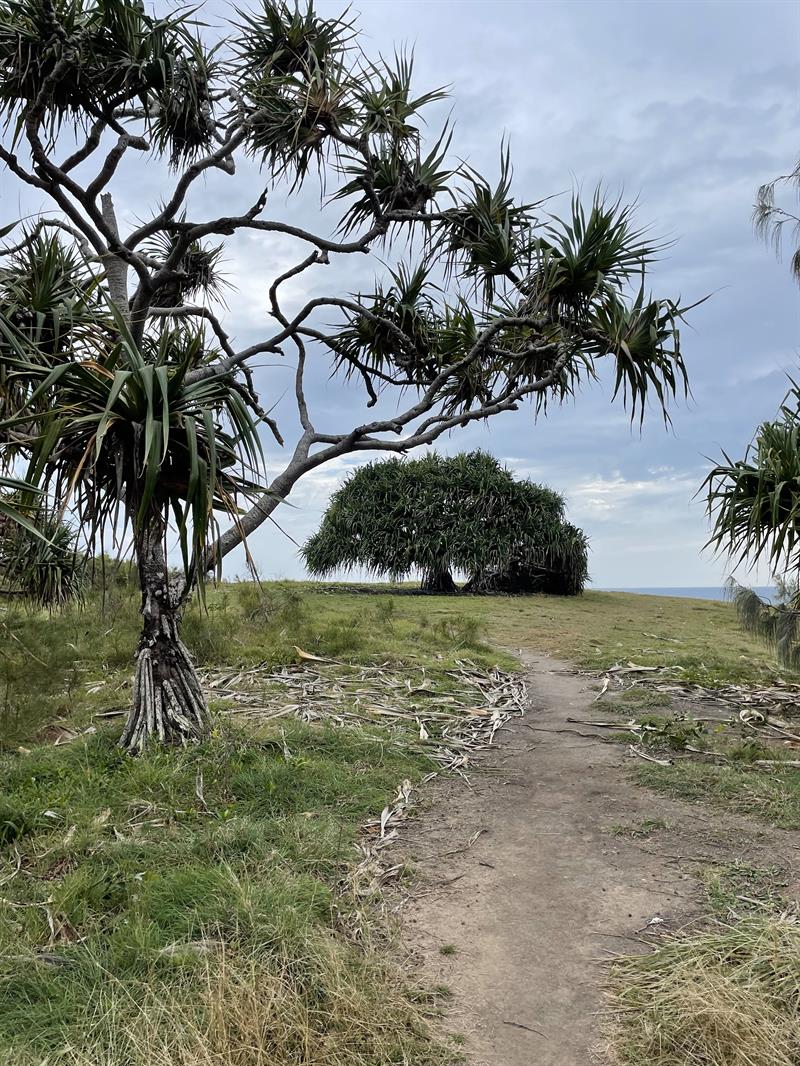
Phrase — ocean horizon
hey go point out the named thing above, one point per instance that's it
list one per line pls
(697, 592)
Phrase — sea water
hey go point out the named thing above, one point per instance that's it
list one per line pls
(704, 592)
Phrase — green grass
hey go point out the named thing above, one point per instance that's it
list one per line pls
(119, 873)
(645, 828)
(598, 629)
(188, 907)
(770, 793)
(73, 664)
(739, 888)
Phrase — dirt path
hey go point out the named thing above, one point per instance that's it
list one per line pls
(518, 923)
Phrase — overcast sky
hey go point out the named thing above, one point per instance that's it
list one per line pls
(687, 107)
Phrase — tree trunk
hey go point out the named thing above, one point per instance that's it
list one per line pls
(168, 701)
(439, 579)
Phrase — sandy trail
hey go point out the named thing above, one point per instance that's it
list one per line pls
(546, 892)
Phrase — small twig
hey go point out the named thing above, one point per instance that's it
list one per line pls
(528, 1028)
(575, 732)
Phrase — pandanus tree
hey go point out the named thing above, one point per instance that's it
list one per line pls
(124, 388)
(43, 565)
(755, 502)
(438, 514)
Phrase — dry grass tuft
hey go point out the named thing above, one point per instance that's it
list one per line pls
(247, 1011)
(727, 997)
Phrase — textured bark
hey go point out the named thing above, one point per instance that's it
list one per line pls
(168, 701)
(439, 580)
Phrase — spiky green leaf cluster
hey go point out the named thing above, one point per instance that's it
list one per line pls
(114, 430)
(755, 503)
(572, 288)
(436, 514)
(44, 564)
(75, 60)
(755, 500)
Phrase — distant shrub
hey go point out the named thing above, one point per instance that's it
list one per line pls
(46, 570)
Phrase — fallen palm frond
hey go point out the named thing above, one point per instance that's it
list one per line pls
(453, 712)
(758, 710)
(750, 702)
(726, 997)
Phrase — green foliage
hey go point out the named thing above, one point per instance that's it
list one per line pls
(72, 59)
(438, 514)
(148, 869)
(49, 297)
(44, 566)
(123, 429)
(10, 508)
(777, 624)
(535, 302)
(755, 502)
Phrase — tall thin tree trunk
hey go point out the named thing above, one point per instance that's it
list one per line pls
(168, 701)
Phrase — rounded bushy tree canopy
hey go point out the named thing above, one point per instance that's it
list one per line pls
(438, 514)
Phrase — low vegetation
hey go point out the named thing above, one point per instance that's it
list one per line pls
(729, 996)
(701, 638)
(726, 995)
(193, 907)
(770, 793)
(187, 907)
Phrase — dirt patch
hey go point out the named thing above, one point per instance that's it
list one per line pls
(549, 864)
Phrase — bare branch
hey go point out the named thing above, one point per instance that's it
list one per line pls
(91, 143)
(362, 439)
(50, 223)
(113, 159)
(116, 267)
(299, 389)
(229, 224)
(315, 257)
(272, 344)
(222, 158)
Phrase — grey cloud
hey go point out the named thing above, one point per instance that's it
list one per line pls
(689, 106)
